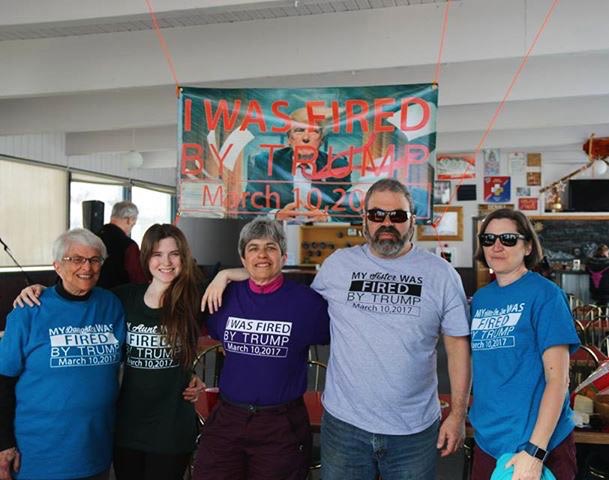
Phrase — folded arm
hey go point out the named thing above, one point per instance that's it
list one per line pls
(212, 298)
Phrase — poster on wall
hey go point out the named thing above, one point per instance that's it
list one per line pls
(534, 160)
(517, 163)
(491, 162)
(456, 166)
(303, 154)
(528, 204)
(485, 208)
(441, 192)
(447, 225)
(466, 193)
(533, 179)
(497, 189)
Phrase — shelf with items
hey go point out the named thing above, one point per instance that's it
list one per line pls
(318, 242)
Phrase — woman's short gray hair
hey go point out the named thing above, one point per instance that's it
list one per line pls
(78, 236)
(262, 227)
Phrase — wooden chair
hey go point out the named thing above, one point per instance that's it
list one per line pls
(582, 363)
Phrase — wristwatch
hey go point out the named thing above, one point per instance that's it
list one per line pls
(535, 451)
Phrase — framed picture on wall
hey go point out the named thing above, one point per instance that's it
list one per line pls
(455, 166)
(533, 179)
(441, 192)
(449, 225)
(528, 203)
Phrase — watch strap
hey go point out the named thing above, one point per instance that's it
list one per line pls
(535, 451)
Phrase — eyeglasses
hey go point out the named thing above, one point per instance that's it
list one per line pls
(95, 262)
(506, 239)
(378, 215)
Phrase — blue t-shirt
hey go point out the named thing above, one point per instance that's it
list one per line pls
(266, 338)
(511, 328)
(66, 355)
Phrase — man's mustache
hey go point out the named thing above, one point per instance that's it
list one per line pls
(387, 229)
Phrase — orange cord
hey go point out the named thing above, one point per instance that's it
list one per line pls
(436, 78)
(163, 45)
(503, 101)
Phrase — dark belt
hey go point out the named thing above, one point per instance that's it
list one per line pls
(250, 407)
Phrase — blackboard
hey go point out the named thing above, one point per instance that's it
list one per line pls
(565, 238)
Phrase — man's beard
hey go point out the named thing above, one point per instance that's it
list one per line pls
(388, 247)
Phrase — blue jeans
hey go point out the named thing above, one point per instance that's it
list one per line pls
(349, 452)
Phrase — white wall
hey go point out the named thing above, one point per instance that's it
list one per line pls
(51, 148)
(555, 164)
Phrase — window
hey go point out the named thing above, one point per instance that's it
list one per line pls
(153, 202)
(82, 191)
(33, 211)
(154, 207)
(36, 200)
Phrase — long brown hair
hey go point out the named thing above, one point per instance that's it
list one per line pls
(180, 302)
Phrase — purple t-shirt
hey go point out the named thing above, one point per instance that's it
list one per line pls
(266, 338)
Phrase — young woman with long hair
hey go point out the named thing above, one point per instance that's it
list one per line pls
(156, 424)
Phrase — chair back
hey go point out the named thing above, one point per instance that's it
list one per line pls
(595, 332)
(574, 302)
(208, 366)
(581, 364)
(581, 331)
(316, 375)
(586, 313)
(316, 379)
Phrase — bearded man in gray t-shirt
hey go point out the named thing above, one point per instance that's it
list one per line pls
(389, 302)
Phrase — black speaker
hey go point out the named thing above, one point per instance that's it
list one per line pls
(93, 215)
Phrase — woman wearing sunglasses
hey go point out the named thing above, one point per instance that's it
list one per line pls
(522, 333)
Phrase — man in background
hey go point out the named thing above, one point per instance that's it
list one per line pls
(123, 262)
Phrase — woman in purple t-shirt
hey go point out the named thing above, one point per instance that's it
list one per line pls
(260, 427)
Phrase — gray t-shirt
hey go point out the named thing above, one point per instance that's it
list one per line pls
(386, 316)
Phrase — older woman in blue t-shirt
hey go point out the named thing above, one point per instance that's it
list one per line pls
(521, 334)
(59, 367)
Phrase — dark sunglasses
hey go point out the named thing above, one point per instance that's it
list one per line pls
(506, 239)
(378, 215)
